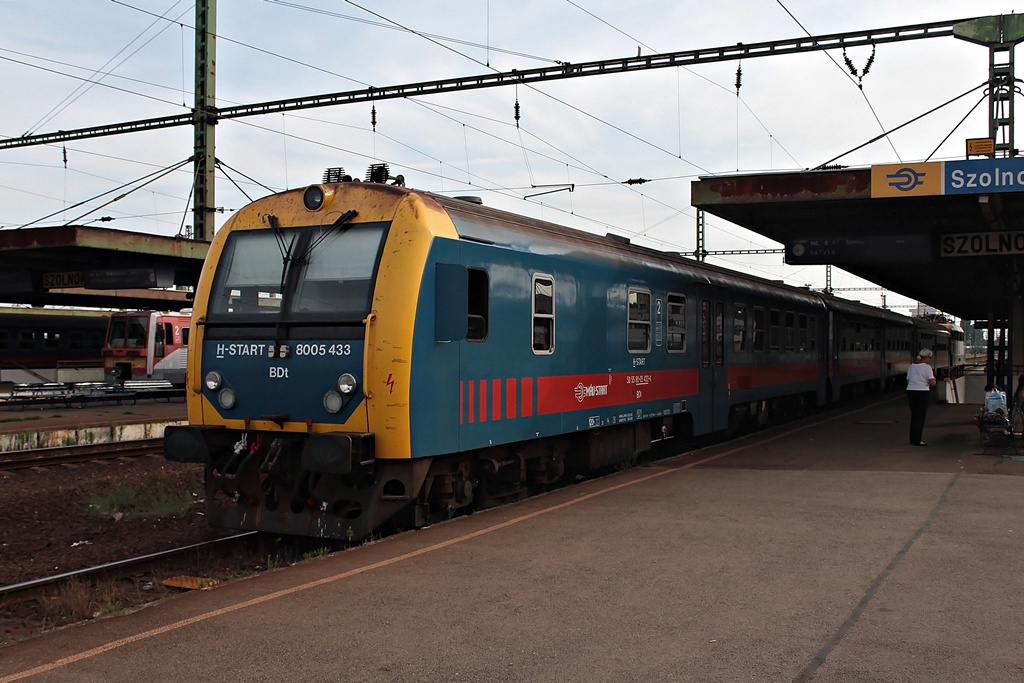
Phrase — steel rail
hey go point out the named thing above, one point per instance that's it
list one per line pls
(61, 455)
(24, 587)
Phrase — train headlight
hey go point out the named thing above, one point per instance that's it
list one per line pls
(213, 380)
(347, 384)
(313, 197)
(333, 402)
(227, 398)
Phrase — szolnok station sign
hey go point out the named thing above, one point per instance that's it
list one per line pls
(972, 176)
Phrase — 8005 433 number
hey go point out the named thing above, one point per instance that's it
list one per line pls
(323, 349)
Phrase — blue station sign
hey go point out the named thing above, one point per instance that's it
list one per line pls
(971, 176)
(983, 176)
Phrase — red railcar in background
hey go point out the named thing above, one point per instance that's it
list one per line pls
(144, 345)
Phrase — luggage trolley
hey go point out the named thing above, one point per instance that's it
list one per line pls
(996, 431)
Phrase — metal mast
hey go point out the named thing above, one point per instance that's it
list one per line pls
(205, 119)
(999, 34)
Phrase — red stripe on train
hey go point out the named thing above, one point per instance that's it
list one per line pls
(510, 398)
(582, 392)
(860, 366)
(495, 399)
(755, 376)
(483, 400)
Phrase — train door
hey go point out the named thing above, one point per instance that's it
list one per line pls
(835, 342)
(151, 340)
(714, 387)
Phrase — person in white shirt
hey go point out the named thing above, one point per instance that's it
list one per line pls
(920, 380)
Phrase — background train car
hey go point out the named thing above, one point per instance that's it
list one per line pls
(51, 345)
(775, 351)
(143, 345)
(946, 341)
(870, 348)
(364, 352)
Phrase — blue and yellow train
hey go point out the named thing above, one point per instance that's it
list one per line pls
(364, 354)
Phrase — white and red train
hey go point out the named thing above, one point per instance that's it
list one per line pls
(79, 345)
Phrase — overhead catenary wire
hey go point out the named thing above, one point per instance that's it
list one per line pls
(148, 179)
(859, 85)
(426, 36)
(497, 187)
(686, 69)
(100, 73)
(902, 125)
(97, 83)
(534, 88)
(480, 168)
(959, 123)
(441, 176)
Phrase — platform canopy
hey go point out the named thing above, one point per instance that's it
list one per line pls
(948, 234)
(98, 267)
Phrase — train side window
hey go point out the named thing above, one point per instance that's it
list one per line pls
(184, 336)
(676, 323)
(801, 332)
(478, 301)
(812, 333)
(76, 340)
(774, 330)
(97, 341)
(758, 329)
(543, 314)
(739, 328)
(790, 330)
(51, 340)
(26, 339)
(638, 333)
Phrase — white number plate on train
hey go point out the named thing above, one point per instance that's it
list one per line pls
(323, 349)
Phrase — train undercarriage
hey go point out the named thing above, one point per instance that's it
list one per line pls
(312, 486)
(332, 486)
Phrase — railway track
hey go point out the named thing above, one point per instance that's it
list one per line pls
(27, 589)
(62, 455)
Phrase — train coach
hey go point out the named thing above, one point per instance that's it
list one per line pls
(364, 354)
(51, 345)
(146, 345)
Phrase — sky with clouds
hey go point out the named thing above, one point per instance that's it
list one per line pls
(69, 65)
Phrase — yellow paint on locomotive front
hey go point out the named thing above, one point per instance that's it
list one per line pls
(389, 335)
(415, 221)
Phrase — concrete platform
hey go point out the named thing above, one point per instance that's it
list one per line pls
(46, 427)
(825, 550)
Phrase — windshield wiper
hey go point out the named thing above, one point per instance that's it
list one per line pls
(342, 220)
(293, 274)
(286, 250)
